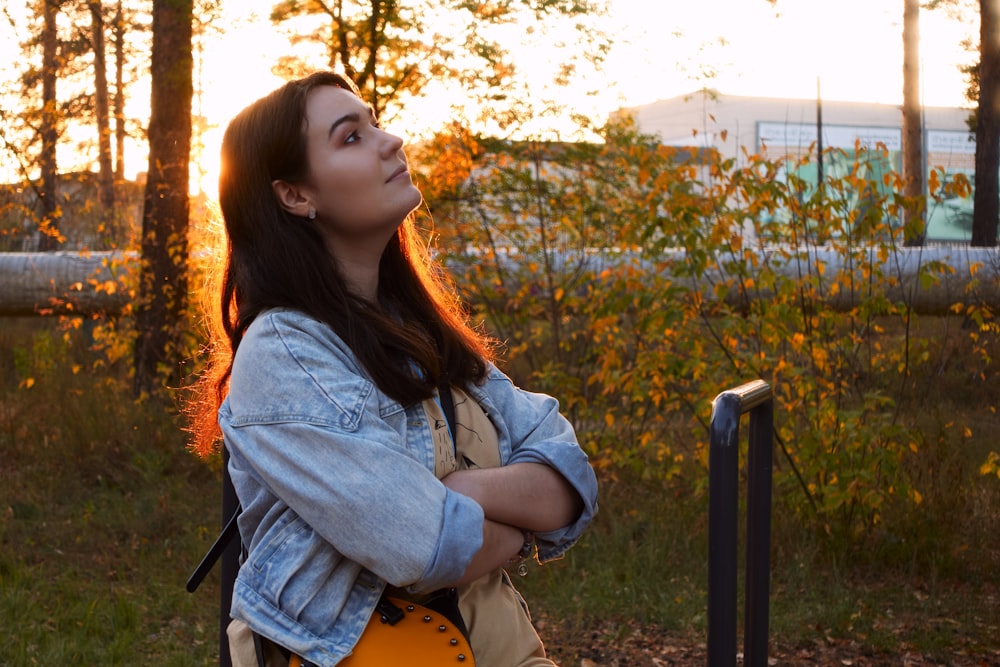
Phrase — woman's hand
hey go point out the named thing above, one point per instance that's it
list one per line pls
(501, 544)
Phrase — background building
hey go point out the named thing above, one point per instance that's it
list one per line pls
(790, 129)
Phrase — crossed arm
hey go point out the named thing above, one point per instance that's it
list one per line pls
(515, 498)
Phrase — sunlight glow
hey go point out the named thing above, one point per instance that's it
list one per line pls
(661, 50)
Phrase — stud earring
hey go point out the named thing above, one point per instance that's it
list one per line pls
(312, 214)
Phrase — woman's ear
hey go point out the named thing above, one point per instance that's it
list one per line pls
(293, 199)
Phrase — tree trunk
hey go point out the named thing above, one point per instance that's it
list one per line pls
(105, 177)
(160, 316)
(986, 201)
(119, 36)
(913, 166)
(49, 131)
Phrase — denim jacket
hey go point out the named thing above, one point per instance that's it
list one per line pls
(338, 491)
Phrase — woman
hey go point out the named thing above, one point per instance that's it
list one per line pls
(340, 332)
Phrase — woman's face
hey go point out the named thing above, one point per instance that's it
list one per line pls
(358, 182)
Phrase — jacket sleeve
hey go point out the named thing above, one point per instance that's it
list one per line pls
(307, 427)
(539, 433)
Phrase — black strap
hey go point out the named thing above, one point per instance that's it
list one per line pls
(445, 602)
(448, 407)
(209, 561)
(258, 647)
(214, 553)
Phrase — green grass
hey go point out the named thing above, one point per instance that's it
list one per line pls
(103, 515)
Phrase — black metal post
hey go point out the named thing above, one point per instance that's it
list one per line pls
(723, 459)
(758, 564)
(723, 462)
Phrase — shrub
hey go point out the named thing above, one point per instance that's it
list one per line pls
(636, 282)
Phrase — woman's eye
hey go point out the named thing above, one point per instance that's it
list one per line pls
(352, 137)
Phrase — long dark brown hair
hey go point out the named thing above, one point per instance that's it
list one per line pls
(276, 259)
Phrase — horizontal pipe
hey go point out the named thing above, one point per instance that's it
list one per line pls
(76, 282)
(62, 283)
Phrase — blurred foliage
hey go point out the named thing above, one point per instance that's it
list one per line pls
(85, 227)
(636, 281)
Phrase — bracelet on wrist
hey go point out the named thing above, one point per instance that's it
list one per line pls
(527, 551)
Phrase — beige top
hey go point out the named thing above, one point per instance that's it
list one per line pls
(500, 629)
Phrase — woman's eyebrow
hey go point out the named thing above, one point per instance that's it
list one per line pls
(353, 117)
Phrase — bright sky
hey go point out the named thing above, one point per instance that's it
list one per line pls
(855, 47)
(663, 48)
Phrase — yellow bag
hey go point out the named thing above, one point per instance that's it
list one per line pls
(419, 637)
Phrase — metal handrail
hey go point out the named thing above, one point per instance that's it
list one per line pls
(723, 490)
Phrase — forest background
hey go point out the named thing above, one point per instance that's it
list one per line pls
(633, 281)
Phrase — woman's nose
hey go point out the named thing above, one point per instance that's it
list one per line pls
(391, 144)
